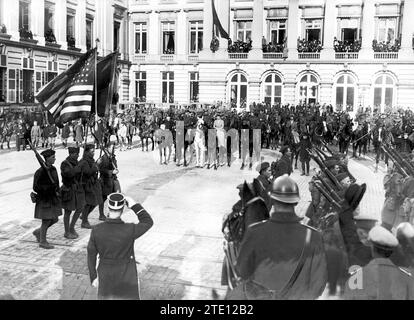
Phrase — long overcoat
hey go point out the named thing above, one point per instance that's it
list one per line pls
(73, 194)
(48, 205)
(114, 241)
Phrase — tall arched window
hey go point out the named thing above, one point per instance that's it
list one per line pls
(345, 93)
(384, 87)
(238, 90)
(308, 89)
(272, 89)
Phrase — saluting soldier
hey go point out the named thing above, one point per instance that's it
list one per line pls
(91, 184)
(116, 276)
(73, 194)
(48, 207)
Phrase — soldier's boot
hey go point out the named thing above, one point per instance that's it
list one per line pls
(242, 166)
(215, 166)
(1, 146)
(43, 242)
(66, 220)
(208, 166)
(36, 233)
(85, 223)
(250, 166)
(101, 212)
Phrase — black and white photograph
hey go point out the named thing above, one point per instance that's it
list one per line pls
(225, 151)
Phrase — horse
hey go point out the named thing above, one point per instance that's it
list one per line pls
(344, 135)
(249, 210)
(146, 131)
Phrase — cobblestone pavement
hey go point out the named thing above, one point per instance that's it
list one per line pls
(179, 258)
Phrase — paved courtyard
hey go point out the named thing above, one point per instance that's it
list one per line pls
(179, 258)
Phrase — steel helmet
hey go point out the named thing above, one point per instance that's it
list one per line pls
(285, 190)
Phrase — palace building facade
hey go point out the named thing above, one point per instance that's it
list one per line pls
(347, 53)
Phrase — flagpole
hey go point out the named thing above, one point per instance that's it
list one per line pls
(96, 80)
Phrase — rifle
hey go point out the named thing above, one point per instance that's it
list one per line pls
(326, 147)
(328, 187)
(325, 170)
(105, 150)
(396, 163)
(43, 165)
(403, 162)
(326, 194)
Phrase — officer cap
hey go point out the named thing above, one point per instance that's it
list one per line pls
(285, 189)
(116, 201)
(405, 230)
(48, 153)
(262, 166)
(73, 150)
(382, 238)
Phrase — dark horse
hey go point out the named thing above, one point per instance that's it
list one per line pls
(344, 135)
(249, 210)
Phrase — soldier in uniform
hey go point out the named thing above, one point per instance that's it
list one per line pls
(263, 182)
(48, 207)
(91, 184)
(107, 176)
(381, 278)
(295, 270)
(284, 165)
(116, 276)
(73, 195)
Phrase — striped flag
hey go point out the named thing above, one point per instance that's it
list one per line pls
(69, 96)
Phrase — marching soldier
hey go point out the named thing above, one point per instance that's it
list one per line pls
(107, 177)
(73, 194)
(48, 207)
(296, 270)
(91, 184)
(116, 276)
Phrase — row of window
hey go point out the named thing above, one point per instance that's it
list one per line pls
(50, 24)
(167, 92)
(345, 90)
(24, 83)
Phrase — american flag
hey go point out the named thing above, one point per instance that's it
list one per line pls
(69, 96)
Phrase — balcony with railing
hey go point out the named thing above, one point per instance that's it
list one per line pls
(309, 49)
(239, 49)
(167, 57)
(386, 50)
(139, 57)
(273, 51)
(26, 36)
(346, 49)
(193, 57)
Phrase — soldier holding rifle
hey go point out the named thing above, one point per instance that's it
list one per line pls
(48, 206)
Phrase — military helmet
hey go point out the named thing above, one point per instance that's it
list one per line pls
(285, 189)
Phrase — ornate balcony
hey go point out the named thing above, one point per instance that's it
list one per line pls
(386, 55)
(305, 46)
(167, 57)
(273, 55)
(193, 57)
(346, 55)
(309, 55)
(238, 56)
(139, 57)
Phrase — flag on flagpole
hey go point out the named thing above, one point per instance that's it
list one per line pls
(217, 27)
(107, 79)
(69, 96)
